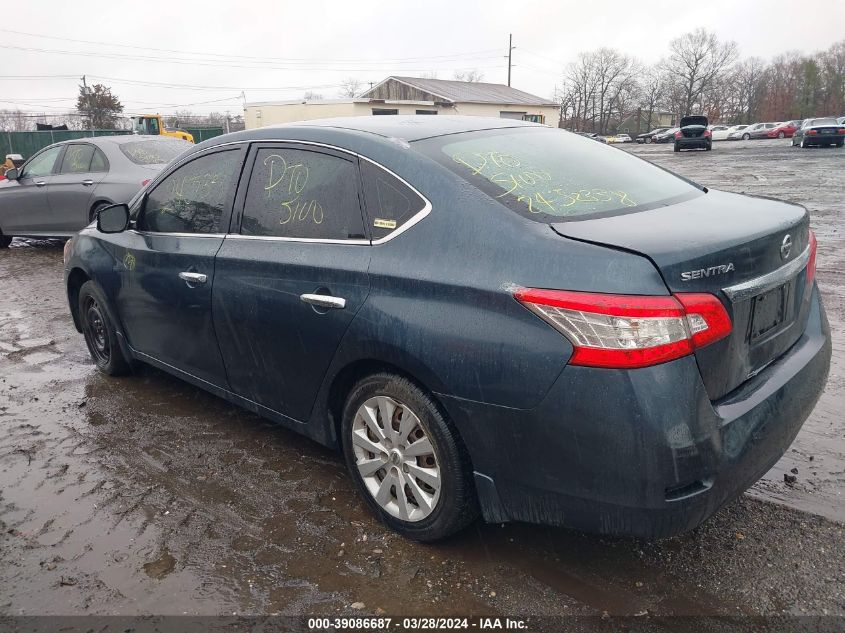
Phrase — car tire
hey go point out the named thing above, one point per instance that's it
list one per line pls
(708, 147)
(781, 135)
(746, 137)
(803, 143)
(677, 149)
(438, 456)
(840, 143)
(5, 240)
(647, 140)
(99, 331)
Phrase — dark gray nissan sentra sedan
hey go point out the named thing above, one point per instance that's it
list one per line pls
(484, 315)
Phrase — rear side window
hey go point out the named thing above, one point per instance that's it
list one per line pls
(302, 194)
(77, 159)
(192, 199)
(155, 152)
(390, 202)
(550, 175)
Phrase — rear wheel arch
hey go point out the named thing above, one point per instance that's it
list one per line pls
(97, 205)
(350, 375)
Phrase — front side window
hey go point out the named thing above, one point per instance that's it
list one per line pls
(390, 203)
(77, 159)
(550, 175)
(192, 199)
(302, 194)
(42, 164)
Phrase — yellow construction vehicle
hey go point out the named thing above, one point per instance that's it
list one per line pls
(153, 124)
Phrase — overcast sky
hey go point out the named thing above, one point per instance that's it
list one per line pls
(277, 50)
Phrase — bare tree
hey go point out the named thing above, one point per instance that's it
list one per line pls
(310, 95)
(652, 87)
(13, 121)
(472, 76)
(349, 88)
(695, 62)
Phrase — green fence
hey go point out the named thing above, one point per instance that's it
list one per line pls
(201, 134)
(27, 143)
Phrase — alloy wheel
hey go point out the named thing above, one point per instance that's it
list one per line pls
(95, 331)
(396, 459)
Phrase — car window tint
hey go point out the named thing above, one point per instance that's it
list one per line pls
(390, 203)
(42, 164)
(77, 159)
(99, 162)
(302, 194)
(192, 198)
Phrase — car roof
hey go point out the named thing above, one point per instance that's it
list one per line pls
(410, 127)
(114, 139)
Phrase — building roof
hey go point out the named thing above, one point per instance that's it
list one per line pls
(468, 91)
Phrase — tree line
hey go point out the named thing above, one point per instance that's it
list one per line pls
(701, 74)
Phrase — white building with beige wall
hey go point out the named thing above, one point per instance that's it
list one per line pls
(410, 95)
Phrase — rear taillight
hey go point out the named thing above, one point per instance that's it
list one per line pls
(626, 331)
(679, 134)
(811, 263)
(707, 133)
(841, 131)
(144, 183)
(812, 132)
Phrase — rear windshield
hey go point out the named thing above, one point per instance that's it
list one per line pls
(154, 152)
(550, 175)
(824, 122)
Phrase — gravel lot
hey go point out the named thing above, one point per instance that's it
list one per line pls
(146, 495)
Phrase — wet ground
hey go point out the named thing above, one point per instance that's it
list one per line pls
(146, 495)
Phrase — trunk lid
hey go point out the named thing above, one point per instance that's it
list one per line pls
(693, 126)
(723, 244)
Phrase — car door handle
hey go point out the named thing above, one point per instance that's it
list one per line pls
(87, 183)
(193, 278)
(40, 183)
(324, 301)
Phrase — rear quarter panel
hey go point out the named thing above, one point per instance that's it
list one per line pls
(441, 303)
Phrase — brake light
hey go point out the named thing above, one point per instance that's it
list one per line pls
(811, 263)
(678, 134)
(627, 331)
(841, 131)
(707, 133)
(144, 183)
(812, 132)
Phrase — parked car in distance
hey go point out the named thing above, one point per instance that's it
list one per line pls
(594, 136)
(820, 132)
(648, 136)
(786, 129)
(325, 275)
(735, 132)
(719, 132)
(620, 138)
(757, 130)
(59, 190)
(694, 133)
(665, 137)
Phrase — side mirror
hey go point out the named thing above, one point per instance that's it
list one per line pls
(11, 174)
(113, 219)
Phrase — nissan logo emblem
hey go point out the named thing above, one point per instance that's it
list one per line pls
(786, 247)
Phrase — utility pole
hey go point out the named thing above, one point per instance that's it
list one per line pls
(88, 100)
(510, 55)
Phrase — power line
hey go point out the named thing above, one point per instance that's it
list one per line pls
(253, 57)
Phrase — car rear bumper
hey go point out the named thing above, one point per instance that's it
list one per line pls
(640, 452)
(692, 142)
(823, 139)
